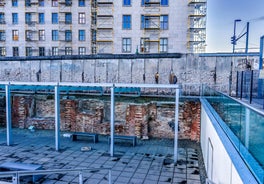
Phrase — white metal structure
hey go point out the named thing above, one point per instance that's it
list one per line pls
(53, 86)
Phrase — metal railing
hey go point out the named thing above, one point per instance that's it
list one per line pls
(249, 87)
(15, 175)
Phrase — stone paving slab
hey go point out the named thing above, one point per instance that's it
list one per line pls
(151, 161)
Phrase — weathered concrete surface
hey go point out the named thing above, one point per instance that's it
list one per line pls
(189, 68)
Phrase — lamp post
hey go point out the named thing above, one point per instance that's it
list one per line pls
(234, 36)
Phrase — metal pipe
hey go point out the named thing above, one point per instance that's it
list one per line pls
(57, 117)
(246, 50)
(112, 120)
(8, 116)
(176, 124)
(234, 36)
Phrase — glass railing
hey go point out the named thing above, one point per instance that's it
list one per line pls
(243, 126)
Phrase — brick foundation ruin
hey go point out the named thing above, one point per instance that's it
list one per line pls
(145, 120)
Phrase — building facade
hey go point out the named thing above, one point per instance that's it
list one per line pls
(81, 27)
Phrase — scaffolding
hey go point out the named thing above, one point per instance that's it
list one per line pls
(196, 34)
(150, 23)
(102, 33)
(31, 28)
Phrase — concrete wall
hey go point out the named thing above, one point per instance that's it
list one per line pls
(222, 162)
(190, 69)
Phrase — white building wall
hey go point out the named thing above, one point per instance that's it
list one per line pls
(177, 12)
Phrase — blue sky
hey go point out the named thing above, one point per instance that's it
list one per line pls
(220, 24)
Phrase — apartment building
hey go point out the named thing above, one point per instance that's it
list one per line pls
(81, 27)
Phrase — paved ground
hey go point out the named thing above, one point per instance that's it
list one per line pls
(150, 162)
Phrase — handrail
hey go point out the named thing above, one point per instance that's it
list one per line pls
(16, 174)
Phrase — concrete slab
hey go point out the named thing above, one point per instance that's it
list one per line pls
(148, 162)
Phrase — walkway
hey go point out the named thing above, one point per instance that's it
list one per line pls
(150, 162)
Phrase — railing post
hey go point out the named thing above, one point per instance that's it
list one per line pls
(241, 84)
(109, 177)
(15, 179)
(237, 84)
(251, 86)
(80, 177)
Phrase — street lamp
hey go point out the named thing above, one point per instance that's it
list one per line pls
(233, 38)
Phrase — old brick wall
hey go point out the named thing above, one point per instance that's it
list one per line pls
(145, 120)
(2, 112)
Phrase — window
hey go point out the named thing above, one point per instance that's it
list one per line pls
(144, 2)
(41, 18)
(81, 35)
(55, 35)
(2, 35)
(68, 35)
(28, 18)
(82, 50)
(41, 3)
(54, 3)
(41, 51)
(126, 22)
(14, 3)
(15, 35)
(163, 44)
(126, 2)
(145, 22)
(29, 35)
(15, 51)
(27, 3)
(68, 18)
(81, 2)
(144, 45)
(68, 51)
(164, 2)
(41, 35)
(2, 18)
(126, 45)
(54, 18)
(2, 51)
(81, 18)
(68, 2)
(29, 51)
(164, 22)
(15, 18)
(55, 51)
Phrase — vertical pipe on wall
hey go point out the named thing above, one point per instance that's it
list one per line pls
(8, 116)
(112, 129)
(176, 124)
(57, 117)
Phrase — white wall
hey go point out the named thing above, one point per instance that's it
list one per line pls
(221, 168)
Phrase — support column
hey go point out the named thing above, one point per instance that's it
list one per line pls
(9, 139)
(112, 127)
(57, 117)
(177, 94)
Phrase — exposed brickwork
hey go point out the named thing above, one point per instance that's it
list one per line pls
(2, 112)
(22, 107)
(189, 118)
(153, 119)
